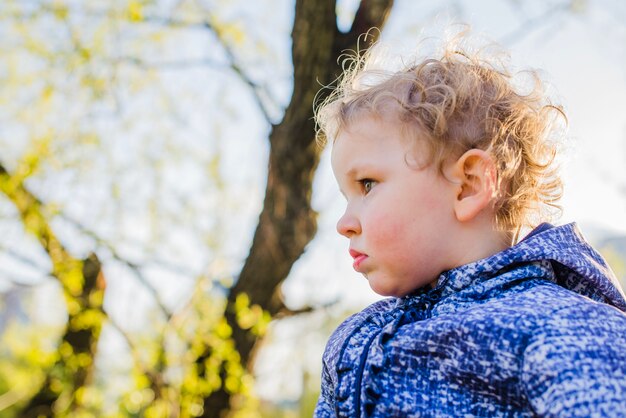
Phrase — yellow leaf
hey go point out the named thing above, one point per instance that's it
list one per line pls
(242, 302)
(135, 11)
(232, 384)
(60, 11)
(47, 93)
(223, 330)
(232, 32)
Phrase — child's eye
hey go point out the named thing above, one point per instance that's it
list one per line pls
(367, 185)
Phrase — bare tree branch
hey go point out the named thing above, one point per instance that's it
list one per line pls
(285, 312)
(256, 89)
(24, 259)
(182, 64)
(100, 242)
(21, 281)
(132, 347)
(136, 268)
(371, 14)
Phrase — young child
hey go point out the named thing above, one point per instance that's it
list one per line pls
(442, 164)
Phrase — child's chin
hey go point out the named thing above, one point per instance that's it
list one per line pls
(383, 289)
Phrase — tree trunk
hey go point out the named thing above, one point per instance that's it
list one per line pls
(287, 222)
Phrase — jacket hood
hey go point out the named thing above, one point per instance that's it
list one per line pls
(577, 266)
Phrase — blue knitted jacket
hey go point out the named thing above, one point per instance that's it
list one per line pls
(536, 330)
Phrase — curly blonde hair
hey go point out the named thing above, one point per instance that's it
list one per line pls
(455, 102)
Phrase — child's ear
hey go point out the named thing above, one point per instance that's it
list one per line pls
(476, 177)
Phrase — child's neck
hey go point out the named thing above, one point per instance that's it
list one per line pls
(477, 241)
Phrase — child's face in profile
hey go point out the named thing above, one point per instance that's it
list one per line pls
(398, 216)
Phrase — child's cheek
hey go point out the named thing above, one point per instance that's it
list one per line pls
(386, 229)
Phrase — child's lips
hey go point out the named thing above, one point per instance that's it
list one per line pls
(358, 259)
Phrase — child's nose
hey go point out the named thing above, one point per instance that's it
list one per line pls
(348, 225)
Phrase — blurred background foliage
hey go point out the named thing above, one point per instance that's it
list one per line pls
(121, 237)
(133, 169)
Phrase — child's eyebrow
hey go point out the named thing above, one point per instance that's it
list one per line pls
(352, 172)
(357, 168)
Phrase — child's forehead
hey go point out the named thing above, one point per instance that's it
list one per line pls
(377, 136)
(366, 127)
(380, 128)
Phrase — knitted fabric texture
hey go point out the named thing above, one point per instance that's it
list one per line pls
(536, 330)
